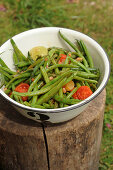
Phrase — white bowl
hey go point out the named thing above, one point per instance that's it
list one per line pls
(48, 36)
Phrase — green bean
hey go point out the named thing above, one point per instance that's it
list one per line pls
(2, 80)
(61, 95)
(47, 62)
(15, 59)
(13, 86)
(19, 81)
(2, 63)
(22, 64)
(65, 105)
(75, 48)
(56, 105)
(92, 70)
(39, 92)
(15, 96)
(61, 65)
(50, 93)
(79, 64)
(58, 65)
(23, 75)
(74, 53)
(38, 106)
(79, 55)
(30, 59)
(51, 53)
(5, 73)
(27, 103)
(38, 72)
(56, 69)
(29, 70)
(34, 82)
(20, 100)
(93, 86)
(87, 84)
(19, 54)
(66, 62)
(50, 57)
(65, 100)
(47, 106)
(6, 78)
(83, 79)
(51, 103)
(89, 58)
(68, 41)
(5, 83)
(82, 83)
(35, 63)
(37, 87)
(86, 75)
(60, 50)
(23, 69)
(11, 96)
(57, 78)
(37, 67)
(80, 46)
(7, 70)
(43, 71)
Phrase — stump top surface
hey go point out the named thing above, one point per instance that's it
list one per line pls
(13, 122)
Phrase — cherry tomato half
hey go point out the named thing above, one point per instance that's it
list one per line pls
(22, 88)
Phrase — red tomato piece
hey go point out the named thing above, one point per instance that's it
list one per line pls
(75, 96)
(62, 59)
(83, 92)
(22, 88)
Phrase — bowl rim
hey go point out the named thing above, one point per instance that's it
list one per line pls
(72, 107)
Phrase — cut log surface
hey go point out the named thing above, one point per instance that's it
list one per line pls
(73, 145)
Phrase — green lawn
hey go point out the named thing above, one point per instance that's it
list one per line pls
(94, 18)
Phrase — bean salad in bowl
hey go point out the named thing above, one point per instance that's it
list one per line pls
(52, 71)
(50, 77)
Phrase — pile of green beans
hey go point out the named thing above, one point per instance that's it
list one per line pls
(46, 76)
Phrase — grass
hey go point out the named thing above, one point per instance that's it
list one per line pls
(93, 18)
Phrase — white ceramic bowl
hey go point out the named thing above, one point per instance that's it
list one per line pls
(48, 36)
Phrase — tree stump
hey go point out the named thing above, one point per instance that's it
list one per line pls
(73, 145)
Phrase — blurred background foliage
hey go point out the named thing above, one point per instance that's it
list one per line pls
(92, 17)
